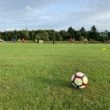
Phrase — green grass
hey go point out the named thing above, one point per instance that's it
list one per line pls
(37, 77)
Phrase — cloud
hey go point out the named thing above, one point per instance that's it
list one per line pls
(56, 14)
(28, 8)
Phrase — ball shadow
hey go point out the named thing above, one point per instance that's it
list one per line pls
(53, 82)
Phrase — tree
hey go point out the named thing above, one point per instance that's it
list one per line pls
(58, 36)
(82, 29)
(104, 36)
(42, 35)
(93, 34)
(78, 35)
(81, 38)
(72, 32)
(52, 36)
(83, 32)
(63, 33)
(32, 35)
(37, 37)
(1, 36)
(7, 36)
(14, 35)
(108, 35)
(25, 34)
(93, 28)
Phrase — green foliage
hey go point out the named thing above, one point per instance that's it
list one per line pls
(72, 32)
(42, 36)
(93, 34)
(58, 36)
(83, 32)
(32, 35)
(52, 35)
(64, 35)
(93, 29)
(25, 34)
(1, 36)
(81, 38)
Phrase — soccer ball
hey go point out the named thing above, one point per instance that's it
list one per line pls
(79, 80)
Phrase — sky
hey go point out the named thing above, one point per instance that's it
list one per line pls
(54, 14)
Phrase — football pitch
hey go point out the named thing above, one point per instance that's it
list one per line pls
(37, 76)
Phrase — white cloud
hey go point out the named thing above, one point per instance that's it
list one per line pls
(28, 8)
(56, 14)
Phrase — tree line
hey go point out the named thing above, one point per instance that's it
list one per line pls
(52, 35)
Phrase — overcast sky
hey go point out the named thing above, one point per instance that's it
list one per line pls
(54, 14)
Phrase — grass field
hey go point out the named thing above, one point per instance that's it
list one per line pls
(37, 77)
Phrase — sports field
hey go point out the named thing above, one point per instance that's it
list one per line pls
(37, 77)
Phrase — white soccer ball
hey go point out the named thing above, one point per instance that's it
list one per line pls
(79, 80)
